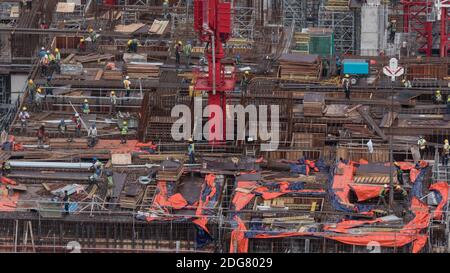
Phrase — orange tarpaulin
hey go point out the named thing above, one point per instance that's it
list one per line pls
(239, 243)
(176, 201)
(341, 183)
(366, 192)
(209, 183)
(8, 202)
(442, 188)
(6, 180)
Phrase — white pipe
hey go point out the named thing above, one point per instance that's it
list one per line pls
(56, 165)
(214, 62)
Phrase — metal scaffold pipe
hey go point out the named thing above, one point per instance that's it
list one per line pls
(57, 165)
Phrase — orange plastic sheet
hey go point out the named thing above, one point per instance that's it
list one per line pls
(238, 242)
(175, 201)
(6, 180)
(341, 183)
(442, 188)
(366, 192)
(410, 233)
(8, 202)
(209, 183)
(115, 146)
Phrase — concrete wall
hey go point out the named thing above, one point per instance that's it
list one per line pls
(18, 81)
(373, 25)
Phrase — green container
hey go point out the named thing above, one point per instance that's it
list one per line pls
(321, 45)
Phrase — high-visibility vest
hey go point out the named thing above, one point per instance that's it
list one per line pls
(124, 130)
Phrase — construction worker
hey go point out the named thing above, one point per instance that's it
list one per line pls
(399, 172)
(126, 86)
(346, 84)
(448, 105)
(85, 107)
(58, 60)
(113, 103)
(338, 65)
(23, 116)
(445, 152)
(6, 168)
(92, 134)
(422, 146)
(123, 133)
(92, 35)
(132, 45)
(77, 120)
(166, 8)
(44, 64)
(42, 53)
(382, 195)
(48, 87)
(191, 151)
(31, 91)
(82, 45)
(245, 81)
(62, 127)
(187, 51)
(97, 167)
(109, 184)
(39, 98)
(437, 98)
(238, 60)
(66, 202)
(406, 83)
(177, 53)
(401, 190)
(392, 28)
(41, 134)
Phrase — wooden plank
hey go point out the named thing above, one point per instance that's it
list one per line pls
(369, 120)
(99, 75)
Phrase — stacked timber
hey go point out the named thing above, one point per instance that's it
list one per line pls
(112, 75)
(339, 5)
(170, 171)
(131, 195)
(313, 104)
(142, 70)
(93, 58)
(300, 67)
(301, 42)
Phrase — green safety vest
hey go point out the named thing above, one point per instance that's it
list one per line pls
(124, 130)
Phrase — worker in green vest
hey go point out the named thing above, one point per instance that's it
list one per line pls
(191, 151)
(382, 196)
(399, 172)
(85, 107)
(109, 184)
(437, 99)
(6, 168)
(123, 133)
(187, 51)
(445, 152)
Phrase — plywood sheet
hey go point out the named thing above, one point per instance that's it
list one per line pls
(121, 159)
(65, 7)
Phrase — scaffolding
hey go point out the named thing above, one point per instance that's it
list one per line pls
(244, 22)
(294, 13)
(343, 24)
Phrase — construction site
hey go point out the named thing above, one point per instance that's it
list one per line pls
(328, 131)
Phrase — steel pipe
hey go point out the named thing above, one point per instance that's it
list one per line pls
(56, 165)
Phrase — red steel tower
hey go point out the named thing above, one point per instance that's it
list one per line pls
(212, 21)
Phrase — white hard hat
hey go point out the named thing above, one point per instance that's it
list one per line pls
(127, 77)
(77, 115)
(250, 139)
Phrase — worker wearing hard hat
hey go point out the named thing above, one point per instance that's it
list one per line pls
(92, 134)
(23, 116)
(406, 83)
(191, 151)
(437, 98)
(346, 84)
(445, 152)
(382, 195)
(31, 86)
(127, 86)
(245, 81)
(39, 98)
(392, 28)
(422, 143)
(123, 132)
(77, 120)
(112, 102)
(399, 172)
(58, 60)
(187, 52)
(400, 189)
(178, 49)
(82, 45)
(166, 9)
(85, 107)
(132, 45)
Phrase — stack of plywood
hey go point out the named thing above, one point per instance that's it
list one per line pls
(301, 42)
(300, 67)
(112, 75)
(158, 27)
(142, 70)
(313, 104)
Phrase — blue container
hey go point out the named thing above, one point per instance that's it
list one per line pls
(355, 67)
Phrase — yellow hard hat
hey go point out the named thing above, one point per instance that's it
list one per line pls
(112, 92)
(190, 139)
(30, 81)
(85, 100)
(56, 50)
(125, 123)
(347, 75)
(446, 141)
(129, 41)
(396, 163)
(438, 91)
(180, 42)
(82, 40)
(39, 90)
(24, 108)
(90, 30)
(246, 72)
